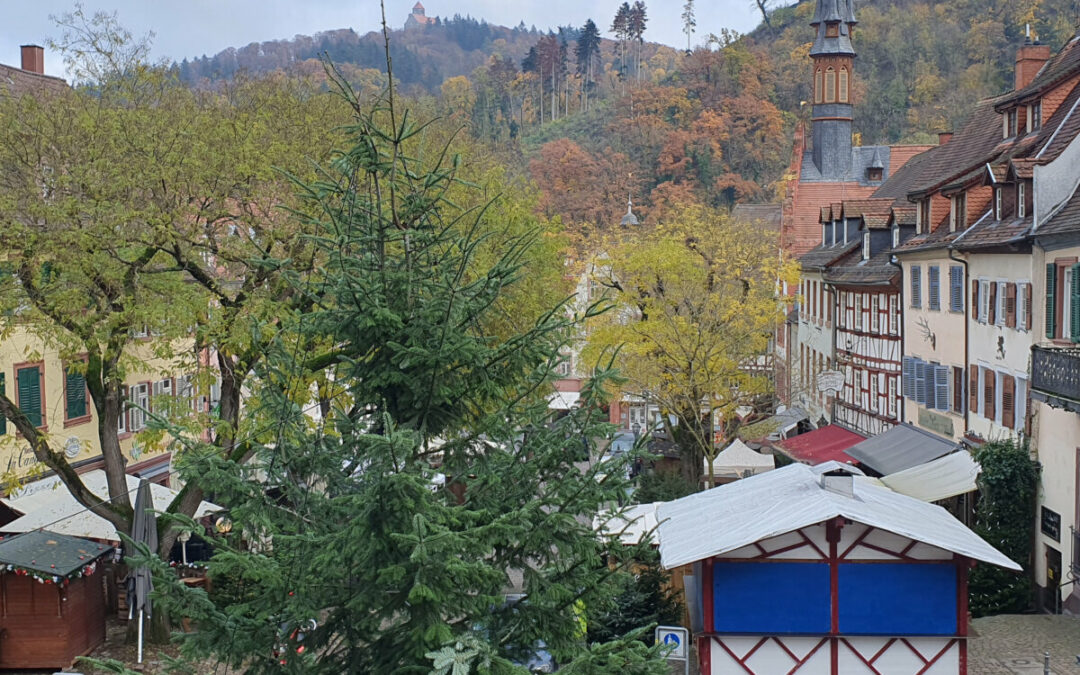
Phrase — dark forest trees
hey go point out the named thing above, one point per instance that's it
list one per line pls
(587, 52)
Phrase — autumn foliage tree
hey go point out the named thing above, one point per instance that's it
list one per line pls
(695, 301)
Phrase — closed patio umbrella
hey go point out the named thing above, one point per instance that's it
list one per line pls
(139, 582)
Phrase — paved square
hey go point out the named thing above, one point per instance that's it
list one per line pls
(1014, 645)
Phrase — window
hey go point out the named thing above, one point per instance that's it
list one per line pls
(1023, 306)
(1000, 309)
(1021, 404)
(1067, 309)
(866, 246)
(958, 214)
(895, 237)
(981, 407)
(958, 390)
(858, 311)
(1036, 116)
(844, 88)
(140, 402)
(832, 30)
(163, 389)
(997, 203)
(30, 379)
(923, 216)
(892, 397)
(1021, 200)
(933, 273)
(75, 410)
(875, 305)
(819, 87)
(830, 85)
(956, 288)
(997, 394)
(1011, 125)
(916, 286)
(121, 420)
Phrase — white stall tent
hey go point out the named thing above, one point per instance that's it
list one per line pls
(738, 460)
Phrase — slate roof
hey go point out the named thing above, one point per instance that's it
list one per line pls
(822, 256)
(988, 233)
(904, 215)
(1065, 221)
(854, 271)
(766, 214)
(18, 82)
(50, 553)
(973, 146)
(899, 448)
(1060, 67)
(862, 158)
(939, 238)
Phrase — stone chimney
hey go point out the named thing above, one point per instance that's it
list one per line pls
(944, 137)
(33, 59)
(1030, 58)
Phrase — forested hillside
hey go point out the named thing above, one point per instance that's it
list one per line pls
(596, 113)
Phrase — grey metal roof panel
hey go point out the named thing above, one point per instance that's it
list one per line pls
(899, 448)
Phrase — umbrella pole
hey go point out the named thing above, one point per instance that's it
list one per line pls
(140, 635)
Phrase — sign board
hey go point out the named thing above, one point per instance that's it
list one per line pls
(676, 639)
(830, 380)
(1051, 524)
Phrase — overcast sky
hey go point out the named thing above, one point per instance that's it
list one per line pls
(197, 27)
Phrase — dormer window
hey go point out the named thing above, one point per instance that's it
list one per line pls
(874, 173)
(895, 237)
(1011, 122)
(1021, 200)
(824, 231)
(997, 204)
(866, 246)
(832, 30)
(922, 217)
(958, 214)
(1035, 116)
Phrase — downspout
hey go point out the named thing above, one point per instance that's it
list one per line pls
(967, 309)
(895, 262)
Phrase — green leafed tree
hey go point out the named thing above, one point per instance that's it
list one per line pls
(400, 572)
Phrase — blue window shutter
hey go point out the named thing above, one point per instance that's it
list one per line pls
(30, 394)
(920, 381)
(916, 286)
(933, 274)
(956, 288)
(909, 378)
(941, 387)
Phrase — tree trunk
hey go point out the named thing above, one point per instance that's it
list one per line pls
(687, 436)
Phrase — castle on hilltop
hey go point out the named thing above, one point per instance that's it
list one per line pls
(418, 17)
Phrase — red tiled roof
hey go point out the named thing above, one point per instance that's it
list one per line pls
(16, 81)
(804, 232)
(823, 445)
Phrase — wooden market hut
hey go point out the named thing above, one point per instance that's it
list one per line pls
(52, 604)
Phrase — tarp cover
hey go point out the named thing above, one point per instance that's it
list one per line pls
(631, 525)
(50, 553)
(563, 400)
(731, 516)
(821, 445)
(942, 478)
(900, 448)
(46, 504)
(737, 459)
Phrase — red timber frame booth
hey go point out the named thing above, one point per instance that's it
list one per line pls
(867, 582)
(52, 602)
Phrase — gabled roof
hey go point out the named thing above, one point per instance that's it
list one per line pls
(1065, 221)
(1060, 67)
(820, 257)
(973, 146)
(17, 82)
(821, 445)
(735, 515)
(903, 215)
(765, 214)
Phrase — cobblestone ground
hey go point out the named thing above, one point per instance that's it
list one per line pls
(1014, 645)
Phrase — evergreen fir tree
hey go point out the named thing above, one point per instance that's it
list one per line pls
(357, 561)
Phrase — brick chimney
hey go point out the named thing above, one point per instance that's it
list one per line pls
(1030, 58)
(944, 137)
(33, 59)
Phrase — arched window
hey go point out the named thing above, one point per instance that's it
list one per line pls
(818, 87)
(830, 86)
(843, 85)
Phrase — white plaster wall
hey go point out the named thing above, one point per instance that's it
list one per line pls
(1056, 436)
(946, 326)
(1055, 182)
(817, 337)
(999, 347)
(771, 657)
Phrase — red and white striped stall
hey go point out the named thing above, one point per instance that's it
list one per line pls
(814, 570)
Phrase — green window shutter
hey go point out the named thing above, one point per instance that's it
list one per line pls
(30, 394)
(76, 395)
(3, 392)
(1051, 288)
(1074, 298)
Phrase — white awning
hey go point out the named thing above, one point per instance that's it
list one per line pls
(945, 477)
(47, 504)
(563, 400)
(738, 461)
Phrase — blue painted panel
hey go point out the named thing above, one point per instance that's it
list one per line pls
(897, 599)
(771, 598)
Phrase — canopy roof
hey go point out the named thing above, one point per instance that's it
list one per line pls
(942, 478)
(563, 400)
(900, 448)
(821, 445)
(50, 554)
(738, 514)
(47, 504)
(737, 459)
(631, 525)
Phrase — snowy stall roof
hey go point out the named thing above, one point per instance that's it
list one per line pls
(47, 505)
(738, 458)
(738, 514)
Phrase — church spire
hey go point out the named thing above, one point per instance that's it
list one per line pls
(629, 219)
(833, 55)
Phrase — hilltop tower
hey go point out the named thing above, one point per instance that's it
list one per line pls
(833, 56)
(418, 17)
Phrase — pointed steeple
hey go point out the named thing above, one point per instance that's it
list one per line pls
(629, 219)
(833, 55)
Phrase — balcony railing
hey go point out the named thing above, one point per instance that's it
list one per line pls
(1056, 372)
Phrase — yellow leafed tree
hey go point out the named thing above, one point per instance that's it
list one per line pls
(695, 303)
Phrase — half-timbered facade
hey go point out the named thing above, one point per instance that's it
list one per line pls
(860, 580)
